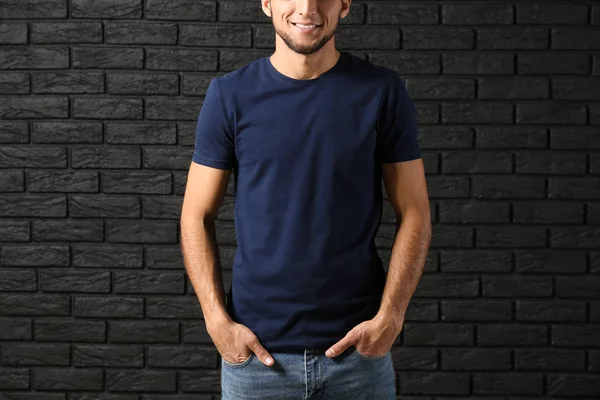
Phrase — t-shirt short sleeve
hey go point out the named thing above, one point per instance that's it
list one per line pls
(214, 145)
(397, 133)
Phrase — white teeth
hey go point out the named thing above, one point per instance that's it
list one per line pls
(306, 26)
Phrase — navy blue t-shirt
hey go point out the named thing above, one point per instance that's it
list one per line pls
(306, 157)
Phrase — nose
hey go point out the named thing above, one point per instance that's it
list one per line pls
(306, 7)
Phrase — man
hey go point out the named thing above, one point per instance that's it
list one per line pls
(309, 132)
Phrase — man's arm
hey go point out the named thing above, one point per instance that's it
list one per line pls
(204, 193)
(407, 192)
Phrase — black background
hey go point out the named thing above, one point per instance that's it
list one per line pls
(98, 103)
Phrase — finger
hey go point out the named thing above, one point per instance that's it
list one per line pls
(262, 353)
(338, 348)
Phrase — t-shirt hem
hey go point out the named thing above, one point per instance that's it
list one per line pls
(211, 163)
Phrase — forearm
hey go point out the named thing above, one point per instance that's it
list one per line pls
(202, 262)
(409, 254)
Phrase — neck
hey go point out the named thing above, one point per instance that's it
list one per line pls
(304, 66)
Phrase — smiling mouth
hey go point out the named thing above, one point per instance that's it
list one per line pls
(312, 26)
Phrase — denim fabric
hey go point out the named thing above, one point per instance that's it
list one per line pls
(310, 375)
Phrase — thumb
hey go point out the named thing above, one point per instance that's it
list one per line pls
(262, 353)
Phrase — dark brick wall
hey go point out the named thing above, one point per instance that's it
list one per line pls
(98, 102)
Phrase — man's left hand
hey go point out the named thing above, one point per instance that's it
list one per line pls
(372, 338)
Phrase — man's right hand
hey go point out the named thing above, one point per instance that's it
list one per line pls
(236, 342)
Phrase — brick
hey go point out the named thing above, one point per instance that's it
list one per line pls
(14, 231)
(406, 358)
(143, 84)
(576, 335)
(215, 35)
(140, 33)
(476, 113)
(573, 384)
(69, 230)
(104, 206)
(141, 133)
(477, 14)
(181, 59)
(200, 381)
(66, 32)
(15, 329)
(30, 354)
(108, 356)
(475, 260)
(108, 307)
(34, 107)
(475, 359)
(124, 231)
(579, 38)
(480, 63)
(510, 236)
(33, 9)
(34, 305)
(407, 62)
(586, 187)
(434, 383)
(550, 310)
(548, 63)
(463, 162)
(14, 378)
(112, 9)
(105, 157)
(21, 280)
(12, 181)
(171, 109)
(575, 88)
(107, 57)
(548, 212)
(67, 330)
(550, 113)
(14, 132)
(363, 38)
(67, 378)
(182, 357)
(60, 280)
(508, 383)
(167, 158)
(476, 310)
(552, 14)
(549, 359)
(385, 13)
(181, 10)
(170, 207)
(506, 187)
(14, 83)
(111, 108)
(174, 307)
(138, 380)
(516, 286)
(452, 236)
(34, 58)
(240, 11)
(550, 163)
(438, 334)
(143, 332)
(510, 334)
(517, 38)
(35, 255)
(511, 137)
(149, 282)
(551, 261)
(575, 237)
(468, 212)
(66, 132)
(141, 182)
(578, 287)
(513, 87)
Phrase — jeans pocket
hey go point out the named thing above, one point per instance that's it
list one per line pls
(240, 364)
(369, 358)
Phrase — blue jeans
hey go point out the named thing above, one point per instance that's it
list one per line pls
(310, 375)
